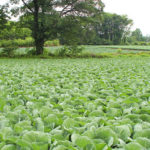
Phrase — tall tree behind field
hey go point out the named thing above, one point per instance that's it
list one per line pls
(111, 29)
(46, 16)
(115, 28)
(137, 34)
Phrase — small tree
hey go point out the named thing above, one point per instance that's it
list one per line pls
(44, 16)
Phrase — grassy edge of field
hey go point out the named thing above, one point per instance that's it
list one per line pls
(84, 55)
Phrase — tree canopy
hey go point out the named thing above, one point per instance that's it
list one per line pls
(3, 16)
(47, 17)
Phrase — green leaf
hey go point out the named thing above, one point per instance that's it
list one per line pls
(123, 132)
(100, 146)
(144, 133)
(9, 147)
(51, 121)
(6, 133)
(23, 143)
(37, 139)
(106, 134)
(144, 142)
(80, 141)
(60, 147)
(69, 123)
(134, 146)
(23, 125)
(36, 136)
(39, 124)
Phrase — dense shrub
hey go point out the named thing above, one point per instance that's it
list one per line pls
(119, 50)
(28, 42)
(70, 50)
(136, 43)
(52, 43)
(31, 51)
(9, 48)
(143, 43)
(18, 42)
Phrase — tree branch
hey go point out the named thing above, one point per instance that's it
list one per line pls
(27, 6)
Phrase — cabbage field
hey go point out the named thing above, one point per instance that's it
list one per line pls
(75, 104)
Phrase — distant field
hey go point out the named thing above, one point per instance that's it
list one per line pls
(129, 47)
(106, 49)
(109, 49)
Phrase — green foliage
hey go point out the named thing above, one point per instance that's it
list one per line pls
(113, 29)
(46, 20)
(90, 104)
(13, 30)
(119, 50)
(27, 42)
(123, 132)
(3, 17)
(81, 141)
(107, 135)
(133, 146)
(144, 133)
(144, 142)
(52, 43)
(9, 49)
(70, 50)
(9, 147)
(31, 52)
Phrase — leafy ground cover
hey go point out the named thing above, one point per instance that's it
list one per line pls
(75, 104)
(128, 47)
(107, 49)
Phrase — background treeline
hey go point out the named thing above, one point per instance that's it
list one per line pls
(111, 29)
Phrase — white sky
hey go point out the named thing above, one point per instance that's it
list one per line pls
(137, 10)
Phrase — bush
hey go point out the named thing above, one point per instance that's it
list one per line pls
(70, 50)
(56, 43)
(119, 50)
(9, 49)
(28, 42)
(5, 43)
(31, 52)
(143, 43)
(136, 43)
(107, 42)
(52, 43)
(46, 51)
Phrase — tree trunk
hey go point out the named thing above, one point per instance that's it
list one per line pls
(39, 47)
(38, 35)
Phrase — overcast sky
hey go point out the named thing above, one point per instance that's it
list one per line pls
(137, 10)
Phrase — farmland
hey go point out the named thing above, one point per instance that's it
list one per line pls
(75, 104)
(129, 47)
(93, 49)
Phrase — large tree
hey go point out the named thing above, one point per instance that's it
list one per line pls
(137, 34)
(111, 29)
(115, 27)
(46, 16)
